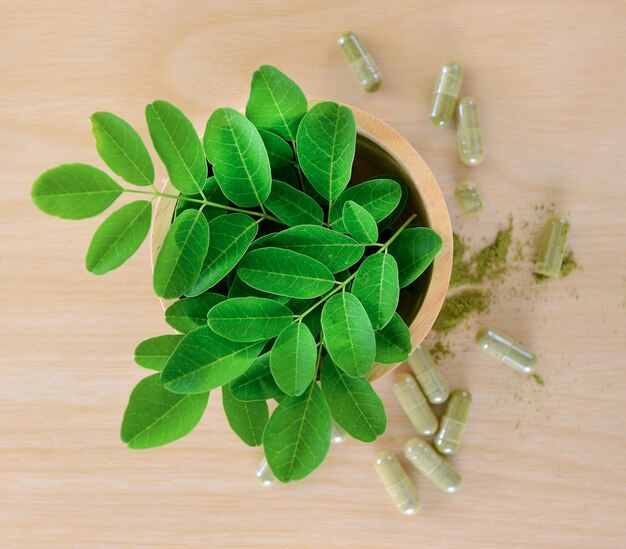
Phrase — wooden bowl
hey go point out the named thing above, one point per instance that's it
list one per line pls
(380, 150)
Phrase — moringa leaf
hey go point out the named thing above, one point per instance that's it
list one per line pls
(292, 206)
(326, 143)
(297, 436)
(154, 416)
(284, 272)
(278, 150)
(414, 250)
(276, 102)
(210, 192)
(246, 419)
(348, 334)
(359, 223)
(312, 318)
(74, 191)
(393, 342)
(378, 196)
(180, 259)
(204, 360)
(257, 383)
(293, 359)
(397, 211)
(240, 162)
(153, 352)
(119, 237)
(377, 288)
(178, 146)
(121, 148)
(249, 318)
(238, 288)
(231, 235)
(353, 404)
(336, 251)
(187, 314)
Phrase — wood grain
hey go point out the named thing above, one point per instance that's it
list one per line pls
(543, 466)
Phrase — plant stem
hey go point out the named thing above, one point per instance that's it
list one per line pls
(343, 284)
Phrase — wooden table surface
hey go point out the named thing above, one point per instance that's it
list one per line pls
(543, 466)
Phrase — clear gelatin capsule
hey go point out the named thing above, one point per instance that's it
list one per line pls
(414, 404)
(431, 464)
(264, 474)
(446, 94)
(450, 432)
(468, 197)
(337, 434)
(360, 62)
(428, 376)
(398, 484)
(468, 133)
(552, 248)
(506, 350)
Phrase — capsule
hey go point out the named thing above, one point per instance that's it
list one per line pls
(553, 247)
(468, 133)
(431, 464)
(414, 404)
(468, 197)
(508, 351)
(398, 484)
(446, 94)
(264, 474)
(360, 62)
(453, 421)
(337, 434)
(428, 376)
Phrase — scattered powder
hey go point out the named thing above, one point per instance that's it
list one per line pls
(569, 265)
(461, 306)
(440, 350)
(538, 379)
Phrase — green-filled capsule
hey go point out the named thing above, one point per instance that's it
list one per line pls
(414, 404)
(360, 62)
(468, 133)
(453, 421)
(446, 94)
(264, 474)
(433, 465)
(337, 434)
(398, 484)
(552, 248)
(508, 351)
(468, 197)
(428, 376)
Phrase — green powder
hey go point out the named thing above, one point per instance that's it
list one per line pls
(440, 351)
(569, 265)
(538, 379)
(461, 306)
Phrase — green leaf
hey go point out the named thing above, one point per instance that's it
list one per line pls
(204, 360)
(292, 206)
(393, 342)
(397, 211)
(376, 287)
(180, 260)
(240, 162)
(359, 223)
(348, 334)
(257, 383)
(210, 192)
(119, 237)
(278, 150)
(297, 436)
(231, 235)
(121, 148)
(313, 318)
(74, 191)
(154, 416)
(238, 288)
(153, 352)
(178, 146)
(293, 359)
(246, 419)
(353, 404)
(249, 318)
(284, 272)
(276, 102)
(335, 250)
(378, 196)
(187, 314)
(414, 250)
(326, 143)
